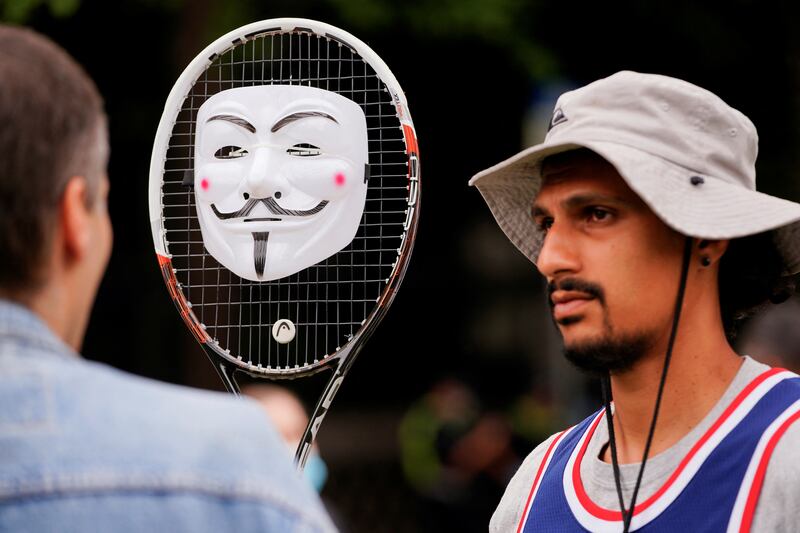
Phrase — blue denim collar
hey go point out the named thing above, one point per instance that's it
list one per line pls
(19, 323)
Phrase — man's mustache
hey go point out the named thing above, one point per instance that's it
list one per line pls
(576, 285)
(272, 206)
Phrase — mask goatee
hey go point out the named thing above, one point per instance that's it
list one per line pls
(260, 251)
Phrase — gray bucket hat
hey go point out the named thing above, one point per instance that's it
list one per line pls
(685, 152)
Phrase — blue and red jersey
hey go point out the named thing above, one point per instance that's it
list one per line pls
(715, 487)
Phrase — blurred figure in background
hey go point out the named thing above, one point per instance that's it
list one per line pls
(289, 417)
(86, 447)
(459, 456)
(773, 337)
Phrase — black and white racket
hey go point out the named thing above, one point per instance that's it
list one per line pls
(274, 134)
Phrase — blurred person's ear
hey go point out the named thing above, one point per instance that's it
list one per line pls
(76, 218)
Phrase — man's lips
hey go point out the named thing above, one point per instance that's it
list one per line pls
(567, 303)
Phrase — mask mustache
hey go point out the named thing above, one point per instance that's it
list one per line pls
(271, 205)
(577, 285)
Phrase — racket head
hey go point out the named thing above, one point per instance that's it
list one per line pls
(332, 304)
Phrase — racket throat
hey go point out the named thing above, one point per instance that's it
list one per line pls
(301, 455)
(346, 357)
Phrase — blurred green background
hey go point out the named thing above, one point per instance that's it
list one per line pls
(464, 375)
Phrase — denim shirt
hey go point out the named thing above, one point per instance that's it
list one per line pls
(85, 447)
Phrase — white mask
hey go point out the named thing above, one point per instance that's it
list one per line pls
(280, 177)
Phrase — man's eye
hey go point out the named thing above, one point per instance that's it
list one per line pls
(544, 224)
(230, 152)
(598, 214)
(304, 150)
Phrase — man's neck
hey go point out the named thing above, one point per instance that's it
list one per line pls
(701, 368)
(55, 303)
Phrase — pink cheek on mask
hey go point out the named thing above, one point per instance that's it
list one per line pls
(204, 184)
(339, 179)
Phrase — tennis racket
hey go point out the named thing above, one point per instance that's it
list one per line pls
(263, 309)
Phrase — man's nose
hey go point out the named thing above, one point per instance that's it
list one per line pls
(559, 254)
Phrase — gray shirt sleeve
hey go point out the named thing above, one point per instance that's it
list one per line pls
(778, 507)
(509, 512)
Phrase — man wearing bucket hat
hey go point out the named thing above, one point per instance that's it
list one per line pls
(640, 210)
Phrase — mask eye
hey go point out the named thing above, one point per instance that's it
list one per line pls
(304, 150)
(230, 152)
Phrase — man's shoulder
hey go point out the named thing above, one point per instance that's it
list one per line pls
(72, 426)
(54, 398)
(96, 395)
(780, 442)
(778, 506)
(168, 425)
(509, 511)
(530, 466)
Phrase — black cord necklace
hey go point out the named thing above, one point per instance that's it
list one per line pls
(627, 514)
(605, 383)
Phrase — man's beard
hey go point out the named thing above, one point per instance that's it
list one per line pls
(609, 354)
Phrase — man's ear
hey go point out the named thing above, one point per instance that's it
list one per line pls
(75, 217)
(711, 249)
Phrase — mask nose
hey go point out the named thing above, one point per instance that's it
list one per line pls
(264, 177)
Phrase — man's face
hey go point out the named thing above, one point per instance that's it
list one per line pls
(279, 177)
(612, 266)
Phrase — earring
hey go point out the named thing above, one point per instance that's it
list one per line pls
(705, 261)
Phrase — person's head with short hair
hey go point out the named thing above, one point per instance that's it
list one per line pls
(639, 173)
(54, 228)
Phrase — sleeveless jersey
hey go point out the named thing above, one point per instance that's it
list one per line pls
(714, 488)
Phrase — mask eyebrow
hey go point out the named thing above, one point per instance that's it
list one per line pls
(234, 120)
(297, 116)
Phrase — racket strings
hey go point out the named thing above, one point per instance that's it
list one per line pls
(327, 302)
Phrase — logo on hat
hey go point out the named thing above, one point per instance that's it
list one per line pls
(558, 118)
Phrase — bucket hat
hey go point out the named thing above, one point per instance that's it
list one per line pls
(684, 151)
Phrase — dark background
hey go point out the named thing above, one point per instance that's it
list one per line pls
(480, 77)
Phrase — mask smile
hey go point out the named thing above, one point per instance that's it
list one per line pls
(273, 208)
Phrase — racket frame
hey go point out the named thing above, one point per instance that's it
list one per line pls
(224, 363)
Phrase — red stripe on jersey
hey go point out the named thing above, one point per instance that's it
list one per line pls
(538, 477)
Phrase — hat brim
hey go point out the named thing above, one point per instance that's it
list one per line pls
(713, 209)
